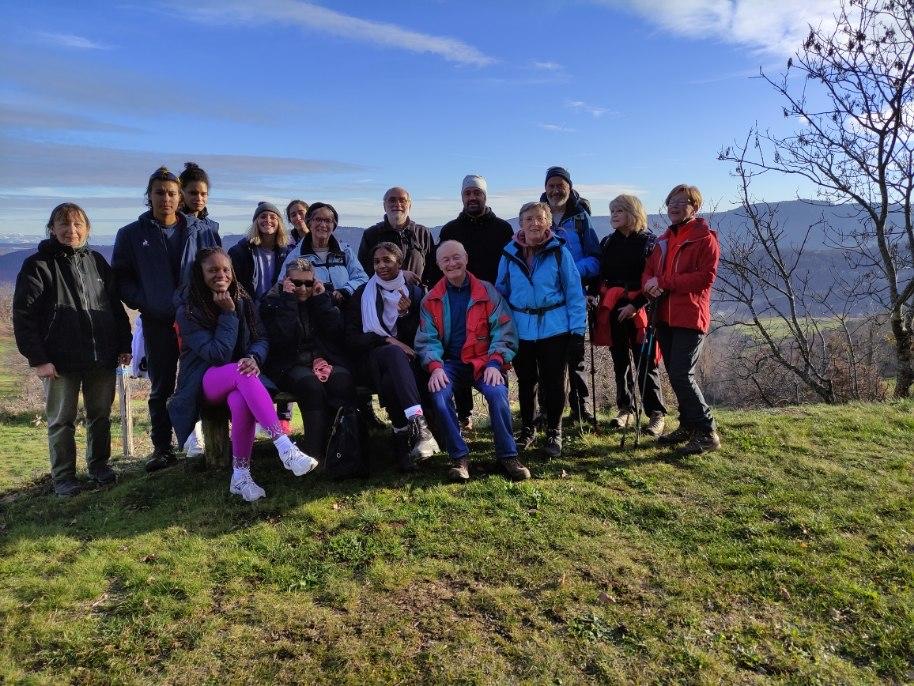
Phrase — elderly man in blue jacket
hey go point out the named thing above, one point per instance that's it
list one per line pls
(571, 222)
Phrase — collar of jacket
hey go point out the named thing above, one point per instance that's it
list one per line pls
(554, 243)
(694, 228)
(191, 223)
(479, 219)
(307, 244)
(51, 247)
(572, 207)
(477, 290)
(408, 227)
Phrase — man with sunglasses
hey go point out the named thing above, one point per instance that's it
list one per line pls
(415, 240)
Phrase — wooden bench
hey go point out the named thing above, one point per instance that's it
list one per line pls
(216, 440)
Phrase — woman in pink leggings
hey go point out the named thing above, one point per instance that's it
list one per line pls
(222, 350)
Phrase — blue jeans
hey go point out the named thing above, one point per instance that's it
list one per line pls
(461, 376)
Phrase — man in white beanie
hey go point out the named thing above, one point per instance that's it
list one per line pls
(483, 236)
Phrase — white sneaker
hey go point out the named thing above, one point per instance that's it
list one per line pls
(297, 462)
(244, 486)
(193, 446)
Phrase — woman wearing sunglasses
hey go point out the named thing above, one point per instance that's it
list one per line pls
(307, 359)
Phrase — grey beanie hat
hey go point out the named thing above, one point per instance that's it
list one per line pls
(264, 206)
(474, 181)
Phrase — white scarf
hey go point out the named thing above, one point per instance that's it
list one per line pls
(391, 292)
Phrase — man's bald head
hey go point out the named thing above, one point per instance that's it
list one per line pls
(451, 257)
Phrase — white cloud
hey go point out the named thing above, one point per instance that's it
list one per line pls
(69, 40)
(306, 15)
(558, 128)
(771, 27)
(548, 66)
(582, 106)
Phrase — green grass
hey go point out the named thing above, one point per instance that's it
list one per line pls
(786, 557)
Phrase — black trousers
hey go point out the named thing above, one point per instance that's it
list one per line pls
(162, 353)
(396, 379)
(681, 348)
(337, 391)
(624, 340)
(542, 363)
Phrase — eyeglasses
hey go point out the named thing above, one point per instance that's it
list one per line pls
(322, 220)
(298, 283)
(678, 203)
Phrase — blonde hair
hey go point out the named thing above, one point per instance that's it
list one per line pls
(691, 192)
(282, 236)
(633, 207)
(530, 206)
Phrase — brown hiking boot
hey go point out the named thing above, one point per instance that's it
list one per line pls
(460, 471)
(702, 441)
(681, 435)
(621, 420)
(514, 469)
(655, 425)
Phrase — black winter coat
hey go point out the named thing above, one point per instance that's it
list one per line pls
(245, 266)
(300, 332)
(484, 238)
(66, 310)
(415, 241)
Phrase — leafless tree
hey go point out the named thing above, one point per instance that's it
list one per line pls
(851, 90)
(797, 332)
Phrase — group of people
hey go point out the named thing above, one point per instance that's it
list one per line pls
(420, 323)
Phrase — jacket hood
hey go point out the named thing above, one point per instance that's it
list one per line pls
(521, 239)
(51, 247)
(694, 228)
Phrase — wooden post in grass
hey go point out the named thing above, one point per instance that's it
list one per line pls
(216, 441)
(123, 390)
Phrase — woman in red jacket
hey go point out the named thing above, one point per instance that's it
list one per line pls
(679, 275)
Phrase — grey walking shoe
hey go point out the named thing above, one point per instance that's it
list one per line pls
(553, 447)
(621, 420)
(526, 437)
(422, 442)
(702, 441)
(67, 488)
(103, 475)
(655, 425)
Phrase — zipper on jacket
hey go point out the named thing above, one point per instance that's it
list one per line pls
(84, 297)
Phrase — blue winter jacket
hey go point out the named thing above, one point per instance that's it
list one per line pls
(342, 268)
(575, 226)
(202, 348)
(141, 264)
(547, 302)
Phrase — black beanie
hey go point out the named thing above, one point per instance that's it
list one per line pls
(560, 172)
(264, 206)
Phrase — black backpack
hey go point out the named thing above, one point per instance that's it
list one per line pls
(344, 458)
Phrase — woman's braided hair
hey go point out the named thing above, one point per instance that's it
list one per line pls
(200, 306)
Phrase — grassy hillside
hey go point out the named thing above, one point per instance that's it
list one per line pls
(786, 557)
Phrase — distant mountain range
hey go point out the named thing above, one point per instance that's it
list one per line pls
(794, 217)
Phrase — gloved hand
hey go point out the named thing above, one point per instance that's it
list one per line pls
(575, 352)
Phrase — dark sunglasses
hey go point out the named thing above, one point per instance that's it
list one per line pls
(298, 283)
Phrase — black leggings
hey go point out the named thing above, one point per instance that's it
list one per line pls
(337, 391)
(395, 378)
(542, 362)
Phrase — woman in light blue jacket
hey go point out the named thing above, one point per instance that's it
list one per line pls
(538, 278)
(335, 264)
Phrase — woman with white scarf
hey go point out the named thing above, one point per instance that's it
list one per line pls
(381, 326)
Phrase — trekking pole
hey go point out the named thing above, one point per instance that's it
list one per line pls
(591, 322)
(648, 351)
(636, 391)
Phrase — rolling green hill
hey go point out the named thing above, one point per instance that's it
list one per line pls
(788, 556)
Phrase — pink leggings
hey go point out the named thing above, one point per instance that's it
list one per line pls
(248, 402)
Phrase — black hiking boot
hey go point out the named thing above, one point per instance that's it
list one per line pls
(553, 446)
(422, 443)
(526, 437)
(681, 435)
(161, 458)
(460, 470)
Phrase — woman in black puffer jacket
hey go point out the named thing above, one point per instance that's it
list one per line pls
(70, 325)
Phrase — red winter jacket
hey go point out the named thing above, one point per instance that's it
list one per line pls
(685, 264)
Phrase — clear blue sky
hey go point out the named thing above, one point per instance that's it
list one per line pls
(340, 100)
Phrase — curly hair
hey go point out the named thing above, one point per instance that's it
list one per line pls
(200, 306)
